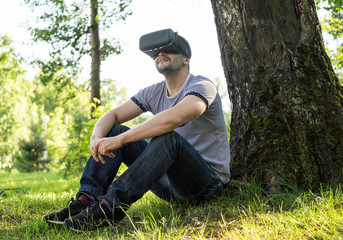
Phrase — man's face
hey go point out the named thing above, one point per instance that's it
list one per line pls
(167, 63)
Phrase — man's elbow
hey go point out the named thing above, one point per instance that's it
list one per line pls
(176, 122)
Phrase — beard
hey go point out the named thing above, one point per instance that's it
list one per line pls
(165, 70)
(173, 66)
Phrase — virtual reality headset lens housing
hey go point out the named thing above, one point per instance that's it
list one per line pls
(166, 41)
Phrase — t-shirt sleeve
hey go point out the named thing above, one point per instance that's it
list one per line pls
(140, 99)
(203, 89)
(147, 98)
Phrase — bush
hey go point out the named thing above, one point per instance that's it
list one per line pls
(31, 157)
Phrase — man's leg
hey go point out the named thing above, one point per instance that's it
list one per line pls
(97, 177)
(169, 162)
(169, 155)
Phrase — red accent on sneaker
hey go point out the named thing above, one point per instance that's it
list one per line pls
(85, 199)
(103, 203)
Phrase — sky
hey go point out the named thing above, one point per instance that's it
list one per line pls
(192, 19)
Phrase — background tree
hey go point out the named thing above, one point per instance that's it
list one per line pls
(31, 154)
(287, 117)
(15, 94)
(72, 28)
(23, 105)
(71, 103)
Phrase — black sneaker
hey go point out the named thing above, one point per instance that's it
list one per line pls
(73, 207)
(95, 216)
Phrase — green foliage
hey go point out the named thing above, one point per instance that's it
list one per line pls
(340, 78)
(112, 92)
(56, 70)
(60, 103)
(65, 25)
(82, 127)
(333, 25)
(15, 107)
(24, 102)
(32, 151)
(78, 146)
(337, 60)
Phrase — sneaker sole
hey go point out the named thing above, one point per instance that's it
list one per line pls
(55, 222)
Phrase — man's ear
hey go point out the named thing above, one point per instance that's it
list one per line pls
(187, 60)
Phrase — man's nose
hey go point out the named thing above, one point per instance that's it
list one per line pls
(161, 54)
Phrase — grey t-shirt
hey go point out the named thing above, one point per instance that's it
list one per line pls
(207, 133)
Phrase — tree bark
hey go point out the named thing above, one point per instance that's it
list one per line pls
(287, 116)
(95, 53)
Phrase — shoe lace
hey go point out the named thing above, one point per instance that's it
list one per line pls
(72, 202)
(97, 208)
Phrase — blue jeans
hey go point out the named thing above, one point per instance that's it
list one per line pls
(168, 165)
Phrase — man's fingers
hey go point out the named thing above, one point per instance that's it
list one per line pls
(102, 160)
(110, 154)
(98, 151)
(95, 158)
(95, 152)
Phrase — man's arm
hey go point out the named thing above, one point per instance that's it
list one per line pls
(189, 108)
(118, 115)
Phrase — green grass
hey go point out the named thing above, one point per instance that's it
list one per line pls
(249, 213)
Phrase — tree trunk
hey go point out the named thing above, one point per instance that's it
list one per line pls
(95, 43)
(287, 117)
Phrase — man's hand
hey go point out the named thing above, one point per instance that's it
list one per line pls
(103, 147)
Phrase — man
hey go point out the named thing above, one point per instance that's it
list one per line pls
(187, 158)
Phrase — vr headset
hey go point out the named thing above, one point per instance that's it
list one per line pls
(166, 41)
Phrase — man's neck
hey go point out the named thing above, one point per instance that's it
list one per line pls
(175, 81)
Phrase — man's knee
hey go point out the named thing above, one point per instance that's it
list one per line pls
(117, 129)
(172, 140)
(167, 137)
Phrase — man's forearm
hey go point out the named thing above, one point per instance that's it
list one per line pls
(103, 125)
(118, 115)
(153, 127)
